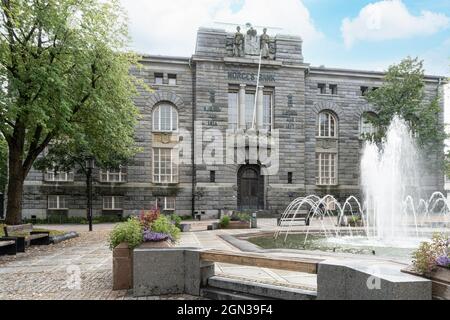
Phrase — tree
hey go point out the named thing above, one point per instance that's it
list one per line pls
(403, 94)
(3, 164)
(72, 153)
(64, 72)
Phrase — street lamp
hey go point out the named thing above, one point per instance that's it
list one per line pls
(90, 162)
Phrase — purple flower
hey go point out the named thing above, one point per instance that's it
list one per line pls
(151, 236)
(443, 261)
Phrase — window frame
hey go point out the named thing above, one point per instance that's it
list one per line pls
(361, 124)
(158, 75)
(58, 202)
(172, 76)
(173, 167)
(331, 116)
(113, 203)
(173, 111)
(332, 169)
(121, 174)
(322, 88)
(69, 176)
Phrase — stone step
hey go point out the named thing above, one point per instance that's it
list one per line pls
(268, 291)
(223, 294)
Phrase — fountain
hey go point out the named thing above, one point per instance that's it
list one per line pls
(397, 210)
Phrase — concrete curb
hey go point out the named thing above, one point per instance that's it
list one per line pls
(63, 237)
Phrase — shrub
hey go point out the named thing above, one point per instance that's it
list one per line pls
(176, 219)
(129, 232)
(431, 254)
(240, 217)
(225, 221)
(146, 218)
(164, 225)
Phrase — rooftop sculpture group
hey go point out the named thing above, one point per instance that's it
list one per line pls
(251, 44)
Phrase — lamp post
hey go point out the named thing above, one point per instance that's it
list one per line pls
(89, 166)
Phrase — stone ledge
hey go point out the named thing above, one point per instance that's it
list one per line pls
(368, 280)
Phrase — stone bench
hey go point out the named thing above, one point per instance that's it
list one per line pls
(24, 235)
(8, 246)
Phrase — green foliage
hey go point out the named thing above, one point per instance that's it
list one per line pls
(424, 258)
(52, 232)
(66, 72)
(129, 232)
(176, 219)
(164, 225)
(225, 221)
(239, 216)
(55, 219)
(403, 94)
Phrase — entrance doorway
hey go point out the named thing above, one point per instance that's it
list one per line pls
(250, 188)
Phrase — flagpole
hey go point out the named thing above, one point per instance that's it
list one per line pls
(257, 87)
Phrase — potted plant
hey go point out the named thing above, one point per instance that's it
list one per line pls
(151, 229)
(355, 221)
(122, 240)
(432, 260)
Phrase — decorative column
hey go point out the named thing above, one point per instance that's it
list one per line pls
(241, 107)
(260, 108)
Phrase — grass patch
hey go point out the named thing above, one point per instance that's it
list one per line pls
(52, 232)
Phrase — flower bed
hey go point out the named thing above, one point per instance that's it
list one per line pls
(236, 221)
(432, 261)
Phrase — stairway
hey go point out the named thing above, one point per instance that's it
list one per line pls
(224, 288)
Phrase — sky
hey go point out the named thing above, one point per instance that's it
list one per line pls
(356, 34)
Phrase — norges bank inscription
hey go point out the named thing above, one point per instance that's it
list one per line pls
(249, 76)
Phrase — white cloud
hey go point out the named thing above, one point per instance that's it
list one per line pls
(390, 19)
(169, 27)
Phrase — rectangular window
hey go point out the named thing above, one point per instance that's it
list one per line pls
(159, 78)
(112, 203)
(249, 109)
(113, 175)
(165, 169)
(166, 203)
(322, 88)
(233, 103)
(267, 111)
(290, 177)
(364, 91)
(58, 176)
(172, 79)
(326, 169)
(212, 176)
(57, 203)
(333, 89)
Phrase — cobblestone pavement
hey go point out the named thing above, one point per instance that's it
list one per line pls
(51, 272)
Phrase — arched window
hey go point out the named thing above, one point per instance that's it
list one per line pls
(365, 126)
(327, 126)
(165, 118)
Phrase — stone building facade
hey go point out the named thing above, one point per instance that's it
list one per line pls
(207, 118)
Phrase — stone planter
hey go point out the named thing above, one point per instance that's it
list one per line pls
(122, 267)
(440, 279)
(123, 263)
(185, 227)
(238, 225)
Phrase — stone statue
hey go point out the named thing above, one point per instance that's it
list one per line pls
(264, 44)
(251, 46)
(251, 32)
(238, 45)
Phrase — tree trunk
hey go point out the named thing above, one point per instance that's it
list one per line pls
(16, 177)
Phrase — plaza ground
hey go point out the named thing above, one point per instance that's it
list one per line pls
(46, 272)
